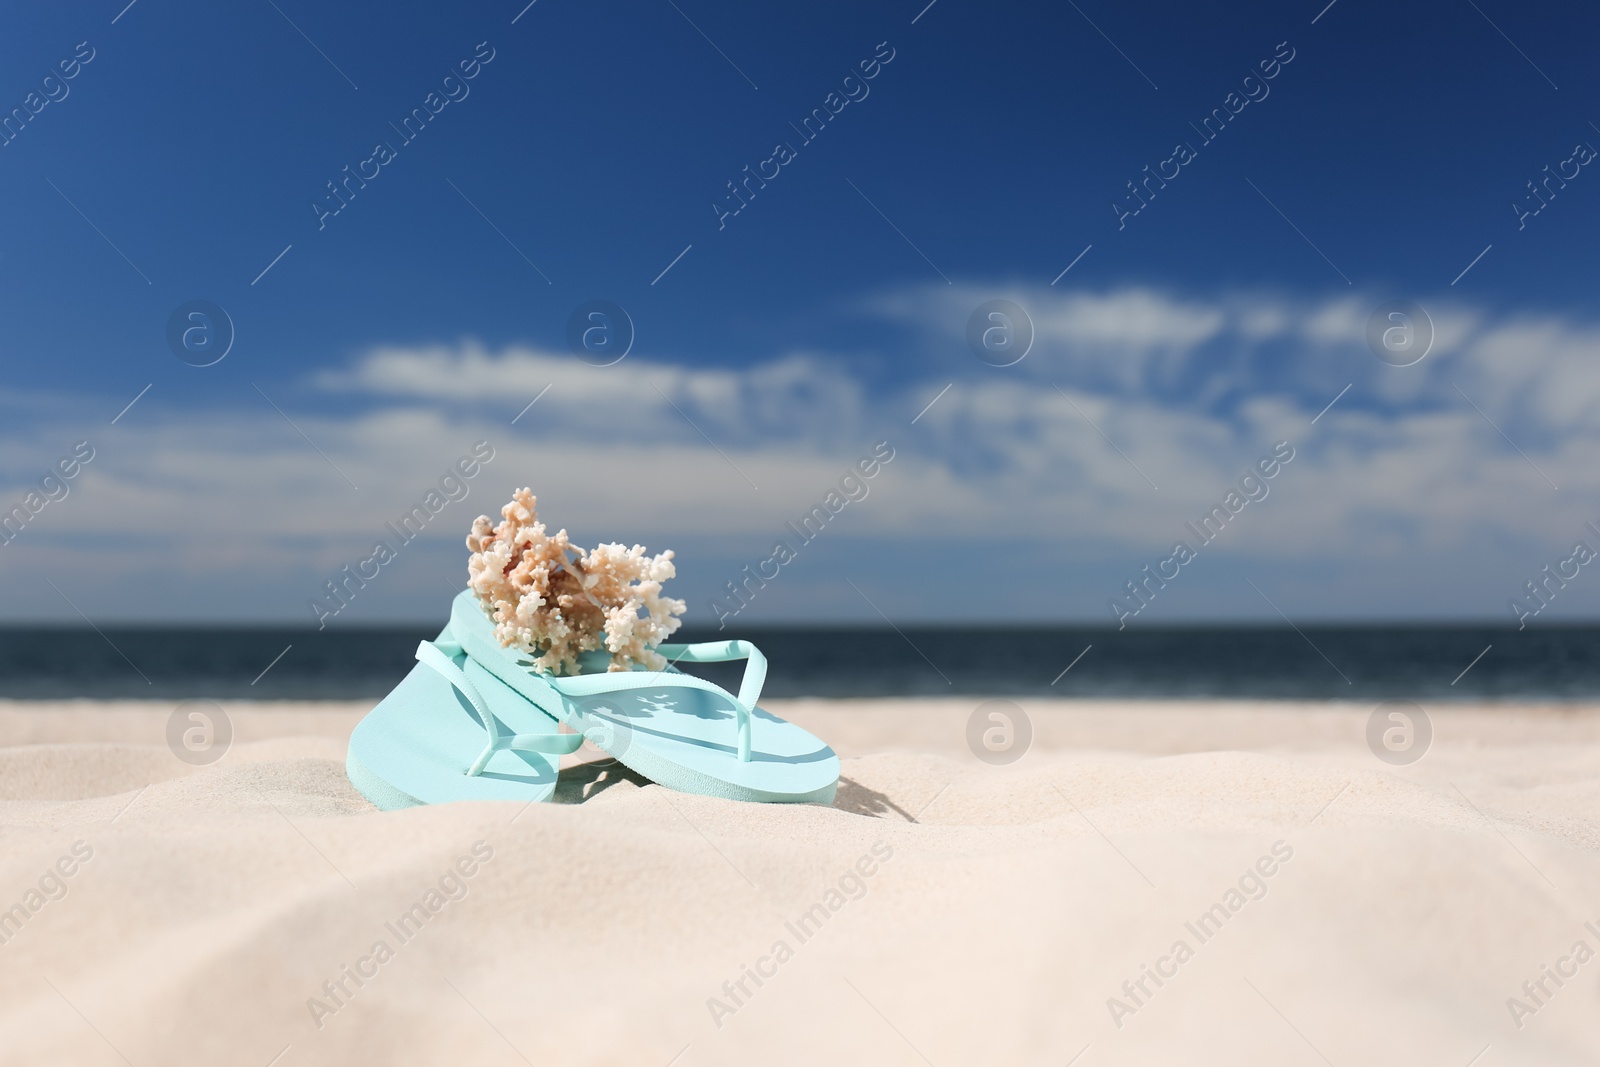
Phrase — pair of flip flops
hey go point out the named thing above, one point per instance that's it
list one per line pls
(476, 721)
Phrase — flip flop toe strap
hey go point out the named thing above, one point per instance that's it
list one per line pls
(441, 657)
(755, 676)
(755, 673)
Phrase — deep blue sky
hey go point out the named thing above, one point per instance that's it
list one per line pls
(596, 141)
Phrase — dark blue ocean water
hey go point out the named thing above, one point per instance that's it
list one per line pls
(1344, 662)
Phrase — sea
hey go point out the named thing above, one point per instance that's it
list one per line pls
(1349, 662)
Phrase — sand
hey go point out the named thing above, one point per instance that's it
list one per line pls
(944, 911)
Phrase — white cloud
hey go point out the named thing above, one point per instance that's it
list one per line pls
(1336, 321)
(1190, 391)
(636, 400)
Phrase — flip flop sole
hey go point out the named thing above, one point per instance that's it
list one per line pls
(685, 739)
(416, 745)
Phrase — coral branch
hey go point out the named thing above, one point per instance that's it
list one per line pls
(555, 601)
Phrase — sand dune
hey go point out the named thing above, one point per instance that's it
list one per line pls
(1332, 908)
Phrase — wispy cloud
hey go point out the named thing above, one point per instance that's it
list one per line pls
(1186, 388)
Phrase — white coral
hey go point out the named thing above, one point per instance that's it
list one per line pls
(554, 601)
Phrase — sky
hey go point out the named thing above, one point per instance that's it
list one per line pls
(396, 221)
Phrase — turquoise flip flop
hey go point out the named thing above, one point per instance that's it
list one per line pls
(453, 731)
(674, 728)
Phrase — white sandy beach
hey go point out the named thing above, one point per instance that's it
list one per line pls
(958, 913)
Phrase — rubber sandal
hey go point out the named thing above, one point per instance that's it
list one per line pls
(453, 731)
(678, 730)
